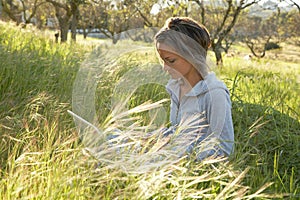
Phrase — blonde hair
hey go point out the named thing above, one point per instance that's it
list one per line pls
(188, 39)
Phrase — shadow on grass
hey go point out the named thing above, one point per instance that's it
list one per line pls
(269, 142)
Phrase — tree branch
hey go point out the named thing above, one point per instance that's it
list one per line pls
(201, 5)
(296, 4)
(225, 17)
(58, 4)
(147, 22)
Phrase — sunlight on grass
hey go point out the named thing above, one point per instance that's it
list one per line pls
(43, 154)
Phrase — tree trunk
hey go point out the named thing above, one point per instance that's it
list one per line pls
(218, 54)
(219, 59)
(203, 11)
(64, 28)
(85, 33)
(63, 15)
(74, 22)
(73, 28)
(252, 49)
(115, 38)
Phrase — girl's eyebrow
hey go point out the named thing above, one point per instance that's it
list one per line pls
(169, 58)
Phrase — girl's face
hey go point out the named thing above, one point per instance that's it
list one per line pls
(174, 64)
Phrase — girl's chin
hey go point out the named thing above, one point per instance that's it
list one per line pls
(175, 76)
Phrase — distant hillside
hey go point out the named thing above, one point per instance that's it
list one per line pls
(267, 8)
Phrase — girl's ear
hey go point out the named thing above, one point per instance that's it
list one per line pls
(209, 45)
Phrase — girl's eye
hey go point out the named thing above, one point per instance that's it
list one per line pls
(171, 61)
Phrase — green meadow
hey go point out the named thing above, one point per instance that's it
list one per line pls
(42, 155)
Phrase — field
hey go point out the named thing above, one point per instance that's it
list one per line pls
(43, 155)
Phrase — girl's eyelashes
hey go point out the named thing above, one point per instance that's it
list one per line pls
(170, 61)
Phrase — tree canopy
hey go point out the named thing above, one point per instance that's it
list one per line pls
(250, 21)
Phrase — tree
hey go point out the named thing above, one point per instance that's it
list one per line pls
(12, 9)
(67, 14)
(113, 18)
(63, 14)
(226, 14)
(88, 18)
(151, 15)
(261, 34)
(21, 10)
(45, 17)
(178, 8)
(288, 27)
(74, 4)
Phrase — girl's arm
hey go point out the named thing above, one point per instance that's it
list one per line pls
(220, 119)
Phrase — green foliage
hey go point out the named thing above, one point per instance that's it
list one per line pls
(266, 103)
(271, 45)
(42, 157)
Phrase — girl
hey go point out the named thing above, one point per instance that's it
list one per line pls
(200, 103)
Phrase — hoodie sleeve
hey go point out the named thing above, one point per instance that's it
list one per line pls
(219, 118)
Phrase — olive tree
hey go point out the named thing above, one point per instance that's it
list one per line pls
(220, 17)
(67, 14)
(21, 11)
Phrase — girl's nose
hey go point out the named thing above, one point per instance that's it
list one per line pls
(166, 67)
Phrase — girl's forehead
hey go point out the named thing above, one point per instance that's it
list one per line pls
(164, 53)
(163, 46)
(165, 49)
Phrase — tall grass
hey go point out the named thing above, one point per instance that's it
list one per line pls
(267, 92)
(42, 156)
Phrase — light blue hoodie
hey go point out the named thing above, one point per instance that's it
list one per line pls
(208, 104)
